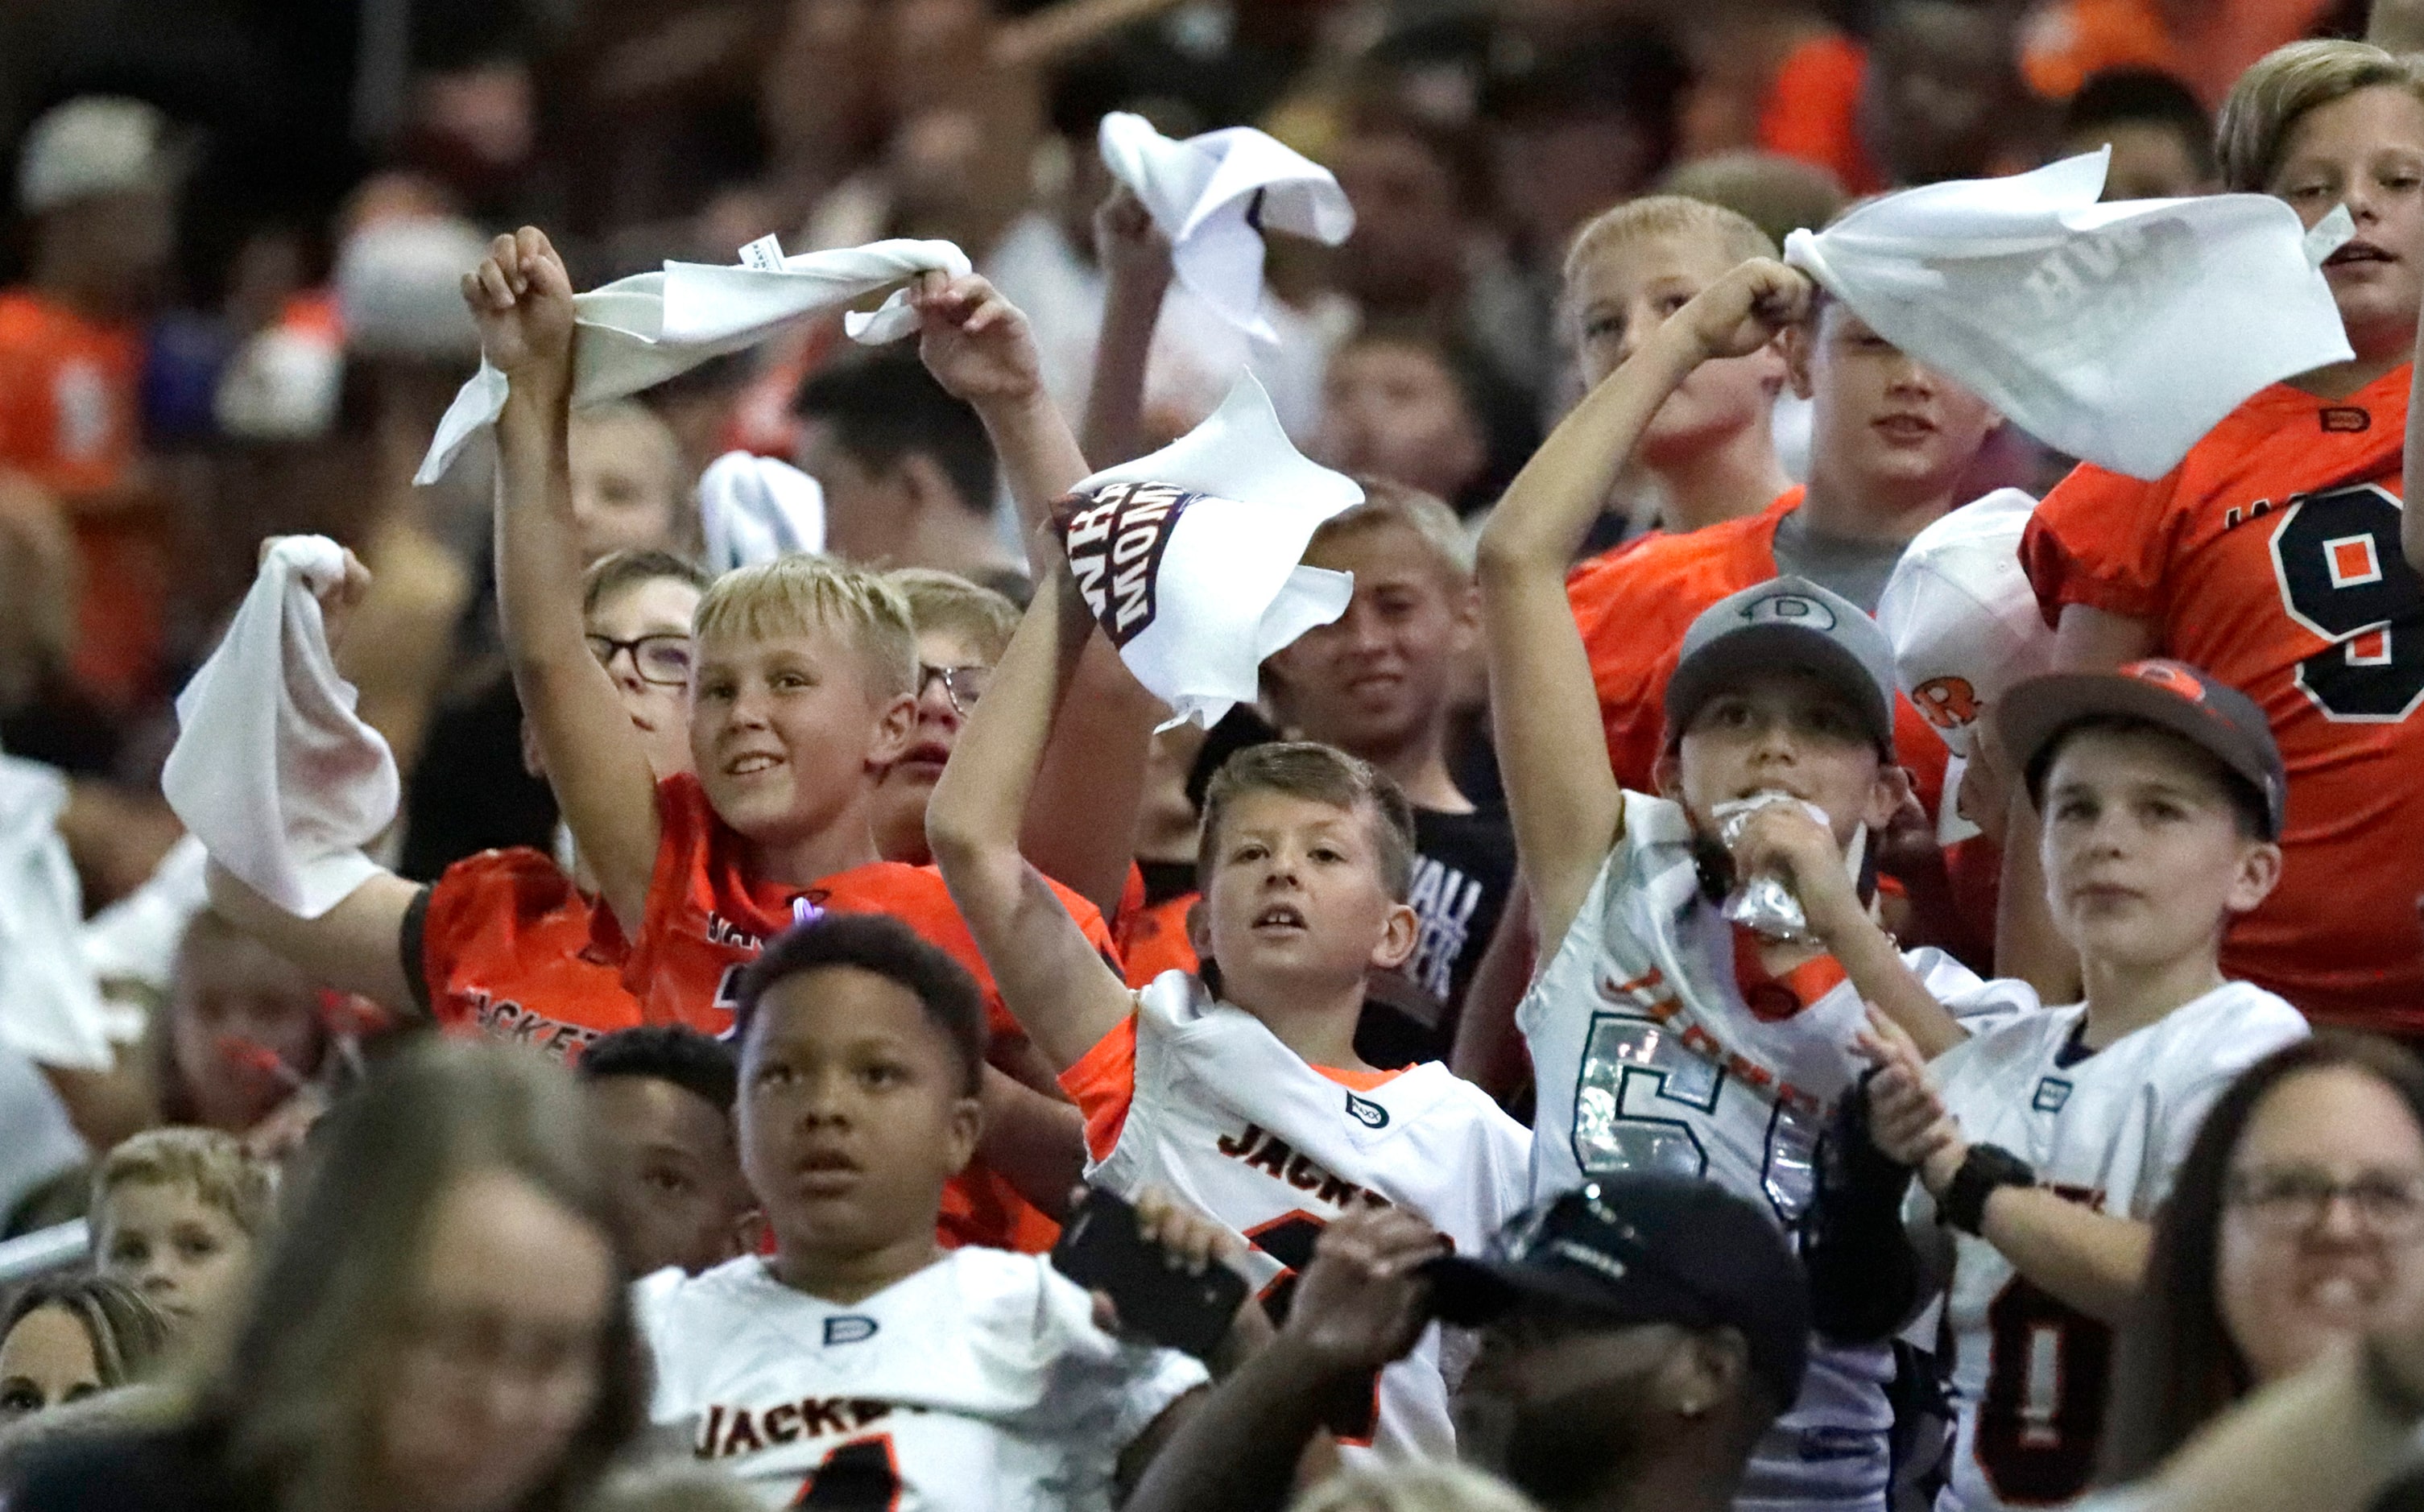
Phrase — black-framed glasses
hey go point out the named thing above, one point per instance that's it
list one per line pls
(2294, 1198)
(661, 660)
(963, 686)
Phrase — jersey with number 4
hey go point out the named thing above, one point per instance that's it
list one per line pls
(1657, 1046)
(2269, 558)
(980, 1384)
(2109, 1130)
(1199, 1097)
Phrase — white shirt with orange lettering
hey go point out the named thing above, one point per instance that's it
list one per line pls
(980, 1384)
(1658, 1043)
(1198, 1096)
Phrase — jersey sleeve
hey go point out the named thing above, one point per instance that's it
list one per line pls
(2103, 541)
(473, 910)
(2237, 1043)
(1979, 1005)
(1103, 1085)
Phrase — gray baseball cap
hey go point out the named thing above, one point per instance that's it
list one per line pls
(1785, 622)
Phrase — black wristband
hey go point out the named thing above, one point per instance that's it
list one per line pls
(1986, 1168)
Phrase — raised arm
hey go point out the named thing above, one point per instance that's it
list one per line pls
(1567, 810)
(1136, 273)
(1079, 822)
(595, 761)
(1059, 989)
(356, 946)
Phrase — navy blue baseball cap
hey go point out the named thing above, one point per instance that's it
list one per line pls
(1637, 1248)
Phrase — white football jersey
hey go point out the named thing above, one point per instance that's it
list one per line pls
(1238, 1124)
(980, 1384)
(1647, 1058)
(2108, 1130)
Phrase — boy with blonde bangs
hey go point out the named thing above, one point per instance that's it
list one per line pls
(1381, 683)
(1242, 1091)
(177, 1214)
(804, 690)
(1708, 452)
(963, 629)
(1707, 954)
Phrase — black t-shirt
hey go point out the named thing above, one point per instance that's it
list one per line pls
(1464, 866)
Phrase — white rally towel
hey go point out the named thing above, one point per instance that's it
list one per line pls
(1190, 559)
(753, 509)
(2120, 333)
(636, 333)
(50, 1011)
(272, 770)
(1214, 195)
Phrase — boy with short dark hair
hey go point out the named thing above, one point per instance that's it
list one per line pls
(907, 470)
(860, 1362)
(1380, 683)
(663, 1096)
(2161, 138)
(1242, 1091)
(2163, 793)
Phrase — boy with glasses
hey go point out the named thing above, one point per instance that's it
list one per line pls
(2048, 1143)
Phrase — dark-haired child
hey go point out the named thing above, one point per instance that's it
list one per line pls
(662, 1095)
(861, 1364)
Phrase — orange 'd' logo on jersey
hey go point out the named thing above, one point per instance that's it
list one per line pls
(1115, 545)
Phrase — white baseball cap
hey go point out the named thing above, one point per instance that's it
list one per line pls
(92, 145)
(400, 289)
(1963, 621)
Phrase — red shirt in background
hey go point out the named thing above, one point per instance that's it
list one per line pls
(1812, 111)
(2066, 40)
(69, 419)
(2269, 558)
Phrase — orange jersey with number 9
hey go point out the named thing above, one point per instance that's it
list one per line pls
(2270, 558)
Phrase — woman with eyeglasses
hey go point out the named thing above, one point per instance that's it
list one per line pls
(2290, 1256)
(498, 944)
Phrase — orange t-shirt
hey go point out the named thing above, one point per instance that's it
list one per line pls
(506, 951)
(707, 919)
(2269, 558)
(70, 412)
(1812, 111)
(1633, 606)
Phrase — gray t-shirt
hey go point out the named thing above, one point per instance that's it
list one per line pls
(1858, 570)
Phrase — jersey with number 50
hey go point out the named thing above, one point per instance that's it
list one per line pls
(2108, 1130)
(2269, 558)
(1650, 1055)
(978, 1384)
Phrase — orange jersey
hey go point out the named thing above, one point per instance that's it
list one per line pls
(69, 419)
(2269, 558)
(504, 952)
(1152, 938)
(707, 919)
(1633, 606)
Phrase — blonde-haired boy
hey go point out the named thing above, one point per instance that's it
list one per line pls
(1383, 682)
(178, 1214)
(803, 691)
(963, 629)
(1706, 451)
